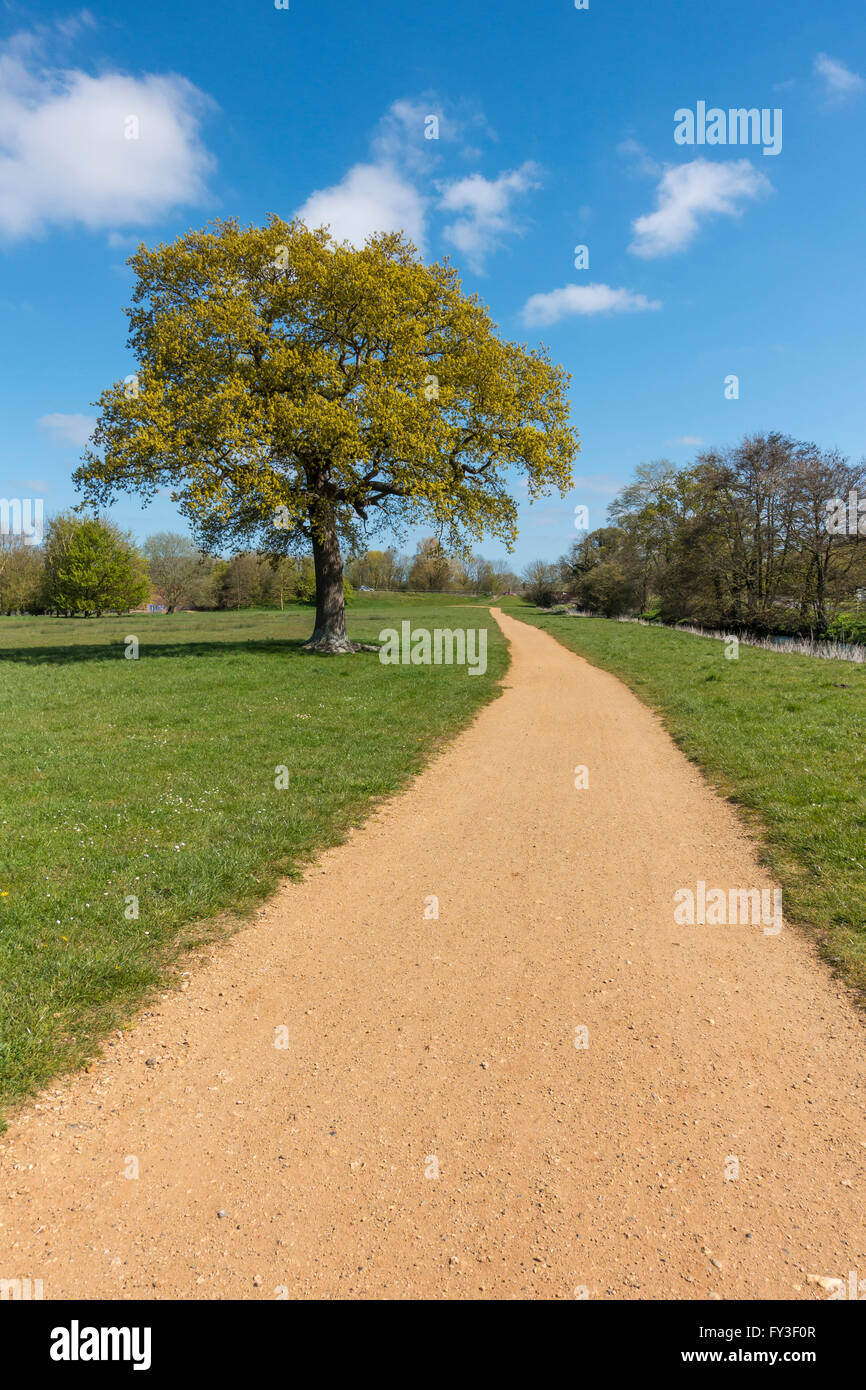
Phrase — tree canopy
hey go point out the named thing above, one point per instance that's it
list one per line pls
(92, 567)
(738, 538)
(301, 392)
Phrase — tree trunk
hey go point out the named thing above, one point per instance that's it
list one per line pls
(329, 635)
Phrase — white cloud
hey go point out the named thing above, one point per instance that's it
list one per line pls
(687, 194)
(401, 137)
(640, 161)
(370, 198)
(485, 210)
(840, 81)
(64, 154)
(405, 135)
(118, 242)
(600, 483)
(544, 309)
(68, 429)
(393, 190)
(691, 439)
(383, 195)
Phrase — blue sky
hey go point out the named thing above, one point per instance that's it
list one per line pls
(556, 130)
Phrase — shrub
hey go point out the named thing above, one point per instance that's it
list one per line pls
(848, 627)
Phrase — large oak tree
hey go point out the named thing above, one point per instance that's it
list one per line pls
(296, 391)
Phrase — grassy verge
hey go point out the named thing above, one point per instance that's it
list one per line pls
(784, 737)
(155, 779)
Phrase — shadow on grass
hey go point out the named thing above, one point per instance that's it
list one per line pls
(111, 651)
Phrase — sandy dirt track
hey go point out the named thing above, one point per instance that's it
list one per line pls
(415, 1043)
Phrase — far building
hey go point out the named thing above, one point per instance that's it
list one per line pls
(156, 604)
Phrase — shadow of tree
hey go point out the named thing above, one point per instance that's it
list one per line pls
(113, 651)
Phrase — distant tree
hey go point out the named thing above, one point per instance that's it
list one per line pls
(541, 581)
(285, 570)
(377, 569)
(608, 589)
(208, 587)
(737, 539)
(484, 576)
(292, 390)
(176, 567)
(474, 575)
(305, 583)
(601, 571)
(388, 570)
(248, 581)
(828, 571)
(489, 576)
(22, 576)
(649, 514)
(431, 569)
(92, 567)
(505, 581)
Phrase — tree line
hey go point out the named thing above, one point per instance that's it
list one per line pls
(430, 570)
(739, 539)
(87, 566)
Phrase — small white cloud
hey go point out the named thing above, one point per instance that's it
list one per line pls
(68, 429)
(485, 211)
(600, 483)
(400, 137)
(118, 242)
(370, 198)
(840, 81)
(71, 28)
(406, 136)
(689, 193)
(689, 439)
(640, 161)
(570, 300)
(65, 155)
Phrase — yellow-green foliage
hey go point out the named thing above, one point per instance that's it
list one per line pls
(278, 369)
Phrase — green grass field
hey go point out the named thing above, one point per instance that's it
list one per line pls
(784, 737)
(156, 778)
